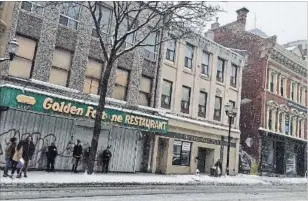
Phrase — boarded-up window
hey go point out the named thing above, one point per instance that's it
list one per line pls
(92, 77)
(145, 91)
(59, 71)
(22, 64)
(120, 87)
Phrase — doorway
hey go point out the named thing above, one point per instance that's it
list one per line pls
(162, 155)
(280, 153)
(205, 159)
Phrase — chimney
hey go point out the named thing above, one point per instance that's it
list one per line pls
(215, 25)
(242, 15)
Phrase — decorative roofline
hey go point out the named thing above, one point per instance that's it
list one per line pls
(290, 55)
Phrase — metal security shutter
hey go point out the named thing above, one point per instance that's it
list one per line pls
(44, 129)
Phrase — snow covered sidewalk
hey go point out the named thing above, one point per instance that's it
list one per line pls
(45, 178)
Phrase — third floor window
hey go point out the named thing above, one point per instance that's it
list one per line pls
(69, 15)
(170, 53)
(185, 99)
(282, 91)
(233, 79)
(189, 56)
(166, 94)
(205, 63)
(121, 84)
(217, 108)
(35, 7)
(220, 70)
(105, 21)
(202, 104)
(92, 77)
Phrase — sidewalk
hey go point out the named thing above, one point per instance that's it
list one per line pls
(51, 179)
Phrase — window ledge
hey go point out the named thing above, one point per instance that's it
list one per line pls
(169, 63)
(188, 71)
(220, 83)
(68, 28)
(206, 77)
(233, 88)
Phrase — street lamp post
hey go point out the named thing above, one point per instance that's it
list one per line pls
(12, 49)
(231, 113)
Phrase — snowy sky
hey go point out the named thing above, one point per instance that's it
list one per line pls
(286, 20)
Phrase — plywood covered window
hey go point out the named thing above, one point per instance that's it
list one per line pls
(121, 84)
(61, 63)
(145, 91)
(21, 66)
(92, 77)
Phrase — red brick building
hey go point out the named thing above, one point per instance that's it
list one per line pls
(274, 123)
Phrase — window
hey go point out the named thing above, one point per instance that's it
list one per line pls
(61, 63)
(202, 104)
(271, 82)
(233, 76)
(105, 21)
(170, 54)
(189, 56)
(220, 70)
(291, 125)
(280, 119)
(69, 15)
(185, 99)
(151, 49)
(301, 125)
(145, 91)
(292, 90)
(270, 119)
(287, 124)
(217, 108)
(205, 63)
(92, 77)
(166, 94)
(35, 7)
(21, 66)
(120, 88)
(282, 86)
(181, 153)
(232, 104)
(125, 26)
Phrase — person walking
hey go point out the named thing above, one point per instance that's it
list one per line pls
(9, 153)
(17, 157)
(86, 156)
(77, 154)
(28, 151)
(106, 156)
(218, 166)
(51, 156)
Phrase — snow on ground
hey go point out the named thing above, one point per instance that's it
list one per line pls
(71, 178)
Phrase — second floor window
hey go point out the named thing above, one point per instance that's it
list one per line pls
(271, 81)
(282, 87)
(270, 119)
(121, 84)
(145, 91)
(61, 63)
(92, 77)
(69, 15)
(170, 53)
(151, 49)
(232, 104)
(21, 66)
(205, 63)
(287, 124)
(166, 94)
(202, 104)
(35, 7)
(185, 99)
(105, 21)
(217, 108)
(189, 56)
(233, 78)
(220, 70)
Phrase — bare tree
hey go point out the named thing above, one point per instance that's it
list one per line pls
(139, 24)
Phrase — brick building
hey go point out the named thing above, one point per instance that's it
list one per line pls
(274, 123)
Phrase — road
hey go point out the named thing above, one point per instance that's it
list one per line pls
(158, 193)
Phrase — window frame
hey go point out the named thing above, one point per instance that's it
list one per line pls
(233, 78)
(94, 78)
(148, 94)
(185, 110)
(163, 96)
(77, 21)
(282, 87)
(181, 152)
(217, 118)
(35, 3)
(109, 22)
(186, 59)
(126, 87)
(202, 114)
(222, 79)
(169, 50)
(270, 119)
(271, 84)
(150, 54)
(203, 66)
(233, 104)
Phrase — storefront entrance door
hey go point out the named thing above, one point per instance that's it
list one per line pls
(201, 159)
(280, 153)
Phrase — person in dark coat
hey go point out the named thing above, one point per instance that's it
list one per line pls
(28, 151)
(77, 154)
(106, 156)
(51, 156)
(9, 153)
(218, 164)
(86, 156)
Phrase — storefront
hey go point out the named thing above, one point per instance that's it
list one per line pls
(190, 145)
(282, 155)
(53, 118)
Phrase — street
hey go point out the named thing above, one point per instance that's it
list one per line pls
(158, 193)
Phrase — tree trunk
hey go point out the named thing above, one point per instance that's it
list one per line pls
(98, 118)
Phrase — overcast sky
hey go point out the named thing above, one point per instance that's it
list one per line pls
(286, 20)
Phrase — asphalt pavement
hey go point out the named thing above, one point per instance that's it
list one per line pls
(158, 193)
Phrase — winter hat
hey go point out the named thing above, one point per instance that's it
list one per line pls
(78, 141)
(13, 139)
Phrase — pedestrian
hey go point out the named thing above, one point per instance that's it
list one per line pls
(106, 156)
(17, 157)
(9, 153)
(51, 156)
(28, 151)
(86, 155)
(218, 166)
(77, 154)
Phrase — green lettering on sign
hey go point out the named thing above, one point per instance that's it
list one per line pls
(18, 99)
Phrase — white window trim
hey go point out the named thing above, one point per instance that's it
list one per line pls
(33, 3)
(284, 86)
(70, 18)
